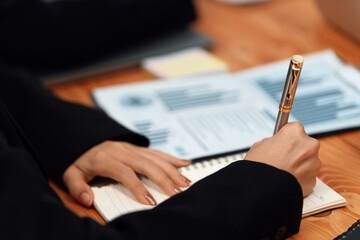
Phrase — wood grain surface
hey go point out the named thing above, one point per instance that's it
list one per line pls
(246, 36)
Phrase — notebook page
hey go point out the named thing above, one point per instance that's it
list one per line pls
(322, 198)
(115, 199)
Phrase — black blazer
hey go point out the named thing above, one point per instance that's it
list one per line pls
(246, 200)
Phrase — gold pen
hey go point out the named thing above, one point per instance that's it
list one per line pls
(288, 94)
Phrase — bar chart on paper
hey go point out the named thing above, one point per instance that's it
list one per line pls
(324, 101)
(196, 96)
(202, 116)
(319, 106)
(191, 119)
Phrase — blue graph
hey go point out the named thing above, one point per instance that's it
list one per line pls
(156, 136)
(324, 104)
(196, 96)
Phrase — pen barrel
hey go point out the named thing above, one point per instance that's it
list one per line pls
(288, 94)
(291, 83)
(282, 120)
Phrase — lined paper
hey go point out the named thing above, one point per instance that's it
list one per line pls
(114, 200)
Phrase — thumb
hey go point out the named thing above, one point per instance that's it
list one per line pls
(74, 180)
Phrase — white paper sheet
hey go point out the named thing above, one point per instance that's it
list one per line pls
(201, 116)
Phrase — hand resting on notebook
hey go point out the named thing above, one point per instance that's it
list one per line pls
(122, 161)
(292, 150)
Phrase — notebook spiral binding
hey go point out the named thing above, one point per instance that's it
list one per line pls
(220, 161)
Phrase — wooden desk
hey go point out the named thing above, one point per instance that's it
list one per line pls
(247, 36)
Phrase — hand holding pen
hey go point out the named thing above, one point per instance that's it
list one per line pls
(291, 149)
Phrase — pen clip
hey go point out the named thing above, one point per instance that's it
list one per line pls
(291, 83)
(288, 94)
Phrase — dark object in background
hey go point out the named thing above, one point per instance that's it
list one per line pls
(51, 36)
(129, 57)
(345, 14)
(353, 233)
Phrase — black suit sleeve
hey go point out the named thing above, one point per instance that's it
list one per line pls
(59, 131)
(59, 33)
(245, 200)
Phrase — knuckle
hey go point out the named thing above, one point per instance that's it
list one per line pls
(316, 143)
(291, 126)
(318, 164)
(98, 155)
(297, 124)
(313, 144)
(99, 167)
(108, 144)
(113, 144)
(298, 127)
(124, 171)
(124, 144)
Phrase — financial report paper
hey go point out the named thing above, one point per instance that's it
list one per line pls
(195, 117)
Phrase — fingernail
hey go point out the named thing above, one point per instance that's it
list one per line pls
(150, 199)
(185, 180)
(86, 199)
(176, 188)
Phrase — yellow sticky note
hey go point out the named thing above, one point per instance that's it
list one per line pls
(192, 61)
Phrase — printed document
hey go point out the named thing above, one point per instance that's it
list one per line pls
(195, 117)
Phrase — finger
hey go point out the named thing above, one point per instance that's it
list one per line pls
(307, 150)
(314, 144)
(132, 160)
(128, 177)
(164, 161)
(74, 180)
(173, 160)
(294, 128)
(309, 186)
(169, 169)
(148, 168)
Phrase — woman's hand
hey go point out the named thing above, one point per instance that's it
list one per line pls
(122, 162)
(292, 150)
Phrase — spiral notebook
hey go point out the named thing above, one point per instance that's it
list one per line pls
(114, 199)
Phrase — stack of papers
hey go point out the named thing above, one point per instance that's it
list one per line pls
(197, 117)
